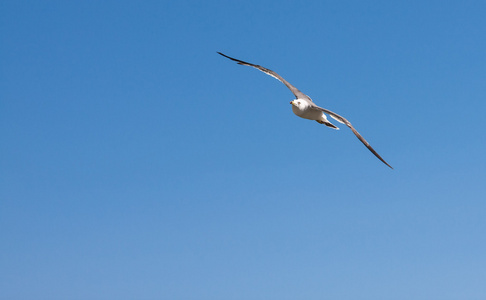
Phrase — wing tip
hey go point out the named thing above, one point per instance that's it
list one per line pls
(221, 54)
(383, 161)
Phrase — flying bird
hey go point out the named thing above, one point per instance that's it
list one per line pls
(303, 106)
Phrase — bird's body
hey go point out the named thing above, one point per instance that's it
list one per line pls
(303, 110)
(304, 107)
(307, 110)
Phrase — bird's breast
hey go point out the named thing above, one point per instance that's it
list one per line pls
(308, 113)
(297, 110)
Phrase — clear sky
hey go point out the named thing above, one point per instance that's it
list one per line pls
(137, 163)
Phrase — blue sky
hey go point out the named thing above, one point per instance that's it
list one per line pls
(136, 163)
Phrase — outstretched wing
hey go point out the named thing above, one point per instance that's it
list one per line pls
(340, 119)
(298, 94)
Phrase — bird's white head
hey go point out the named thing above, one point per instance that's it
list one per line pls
(299, 104)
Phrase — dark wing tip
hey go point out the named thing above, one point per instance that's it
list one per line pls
(370, 148)
(226, 56)
(388, 165)
(378, 156)
(240, 62)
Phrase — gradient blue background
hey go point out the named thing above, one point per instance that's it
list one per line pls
(136, 163)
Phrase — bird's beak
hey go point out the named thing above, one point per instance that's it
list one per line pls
(292, 102)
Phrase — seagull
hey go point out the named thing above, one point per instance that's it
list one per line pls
(303, 106)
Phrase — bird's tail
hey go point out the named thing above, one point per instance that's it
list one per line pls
(328, 124)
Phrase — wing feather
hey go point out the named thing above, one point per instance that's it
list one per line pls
(356, 133)
(298, 94)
